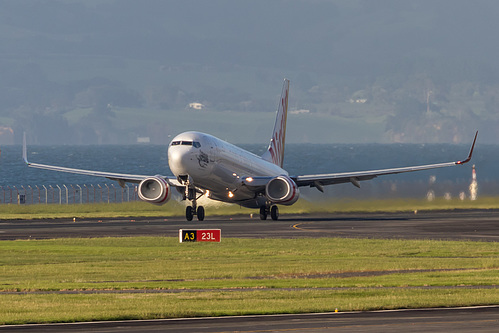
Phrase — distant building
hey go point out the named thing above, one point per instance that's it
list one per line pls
(301, 111)
(196, 106)
(143, 139)
(358, 100)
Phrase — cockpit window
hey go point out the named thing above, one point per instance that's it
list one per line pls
(195, 144)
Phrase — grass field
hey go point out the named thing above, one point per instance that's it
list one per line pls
(68, 280)
(237, 276)
(173, 208)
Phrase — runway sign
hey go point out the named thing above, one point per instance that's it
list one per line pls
(210, 235)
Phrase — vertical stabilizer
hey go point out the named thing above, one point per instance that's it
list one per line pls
(275, 151)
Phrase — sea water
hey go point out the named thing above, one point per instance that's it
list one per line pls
(300, 159)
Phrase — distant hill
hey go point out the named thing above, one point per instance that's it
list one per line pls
(395, 70)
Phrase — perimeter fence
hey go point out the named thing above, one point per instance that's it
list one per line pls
(113, 193)
(68, 194)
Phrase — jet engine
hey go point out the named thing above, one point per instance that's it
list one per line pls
(282, 190)
(154, 190)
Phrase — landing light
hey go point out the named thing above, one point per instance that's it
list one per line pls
(249, 179)
(231, 195)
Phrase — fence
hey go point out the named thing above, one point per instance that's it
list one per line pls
(110, 193)
(67, 194)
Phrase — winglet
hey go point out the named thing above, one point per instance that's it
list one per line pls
(471, 151)
(25, 150)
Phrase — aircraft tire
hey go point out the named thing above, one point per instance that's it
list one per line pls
(189, 213)
(200, 213)
(274, 212)
(263, 213)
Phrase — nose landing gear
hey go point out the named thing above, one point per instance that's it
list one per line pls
(190, 211)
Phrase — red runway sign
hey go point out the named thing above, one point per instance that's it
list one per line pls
(211, 235)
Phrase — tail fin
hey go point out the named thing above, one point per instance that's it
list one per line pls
(275, 151)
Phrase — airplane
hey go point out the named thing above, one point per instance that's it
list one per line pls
(205, 165)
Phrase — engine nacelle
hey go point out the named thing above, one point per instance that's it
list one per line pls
(282, 190)
(154, 190)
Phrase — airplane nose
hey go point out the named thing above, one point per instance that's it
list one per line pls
(178, 160)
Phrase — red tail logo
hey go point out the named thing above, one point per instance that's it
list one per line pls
(275, 151)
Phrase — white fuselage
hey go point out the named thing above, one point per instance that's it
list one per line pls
(217, 166)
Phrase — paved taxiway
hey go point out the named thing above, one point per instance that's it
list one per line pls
(473, 225)
(478, 225)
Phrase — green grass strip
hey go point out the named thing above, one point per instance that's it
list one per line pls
(173, 208)
(238, 276)
(20, 309)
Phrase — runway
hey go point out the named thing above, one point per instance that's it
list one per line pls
(456, 320)
(475, 225)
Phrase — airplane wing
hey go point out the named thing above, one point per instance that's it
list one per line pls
(320, 180)
(121, 178)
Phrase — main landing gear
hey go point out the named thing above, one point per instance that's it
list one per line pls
(190, 211)
(273, 210)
